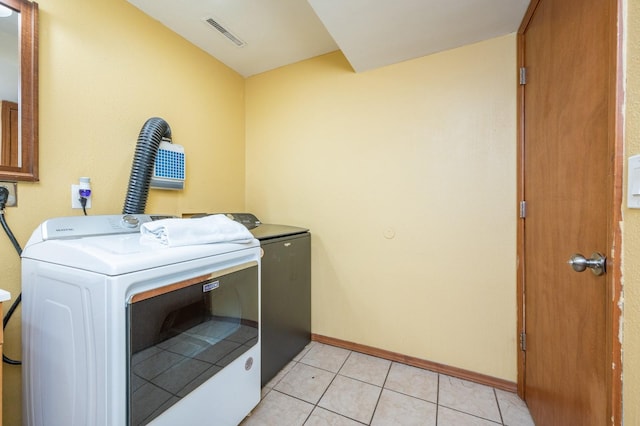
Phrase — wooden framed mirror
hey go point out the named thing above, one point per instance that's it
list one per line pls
(19, 92)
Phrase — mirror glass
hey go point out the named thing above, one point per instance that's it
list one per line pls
(9, 86)
(18, 90)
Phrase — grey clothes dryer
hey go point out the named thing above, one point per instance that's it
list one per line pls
(286, 291)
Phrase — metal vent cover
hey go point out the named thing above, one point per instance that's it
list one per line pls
(225, 32)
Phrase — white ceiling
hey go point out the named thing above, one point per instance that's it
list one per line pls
(370, 33)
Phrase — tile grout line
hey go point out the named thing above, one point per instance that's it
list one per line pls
(334, 377)
(495, 395)
(501, 422)
(314, 407)
(473, 415)
(437, 398)
(335, 374)
(382, 388)
(325, 391)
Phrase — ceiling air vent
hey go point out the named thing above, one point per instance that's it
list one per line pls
(225, 32)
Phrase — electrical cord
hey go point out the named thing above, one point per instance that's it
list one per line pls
(4, 196)
(83, 203)
(6, 319)
(9, 233)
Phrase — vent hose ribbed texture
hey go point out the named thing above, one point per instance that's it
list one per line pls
(151, 134)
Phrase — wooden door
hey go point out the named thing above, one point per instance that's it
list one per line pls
(569, 176)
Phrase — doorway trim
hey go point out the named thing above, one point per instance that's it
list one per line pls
(614, 231)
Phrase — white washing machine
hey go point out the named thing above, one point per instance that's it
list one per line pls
(115, 332)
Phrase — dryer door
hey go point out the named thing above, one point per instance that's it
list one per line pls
(182, 334)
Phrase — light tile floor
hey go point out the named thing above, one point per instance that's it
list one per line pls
(325, 385)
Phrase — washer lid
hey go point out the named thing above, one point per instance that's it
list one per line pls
(262, 231)
(267, 231)
(89, 226)
(120, 254)
(107, 245)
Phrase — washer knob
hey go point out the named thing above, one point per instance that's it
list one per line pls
(130, 221)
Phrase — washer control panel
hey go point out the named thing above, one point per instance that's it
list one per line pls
(247, 219)
(85, 226)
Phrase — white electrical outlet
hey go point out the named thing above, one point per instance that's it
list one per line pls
(75, 198)
(12, 201)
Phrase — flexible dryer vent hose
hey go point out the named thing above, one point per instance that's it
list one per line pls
(154, 130)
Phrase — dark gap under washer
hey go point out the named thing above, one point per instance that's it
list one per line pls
(286, 291)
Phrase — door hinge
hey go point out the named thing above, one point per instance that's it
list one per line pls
(523, 341)
(523, 75)
(523, 209)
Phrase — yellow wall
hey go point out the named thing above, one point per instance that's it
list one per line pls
(105, 68)
(631, 233)
(406, 177)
